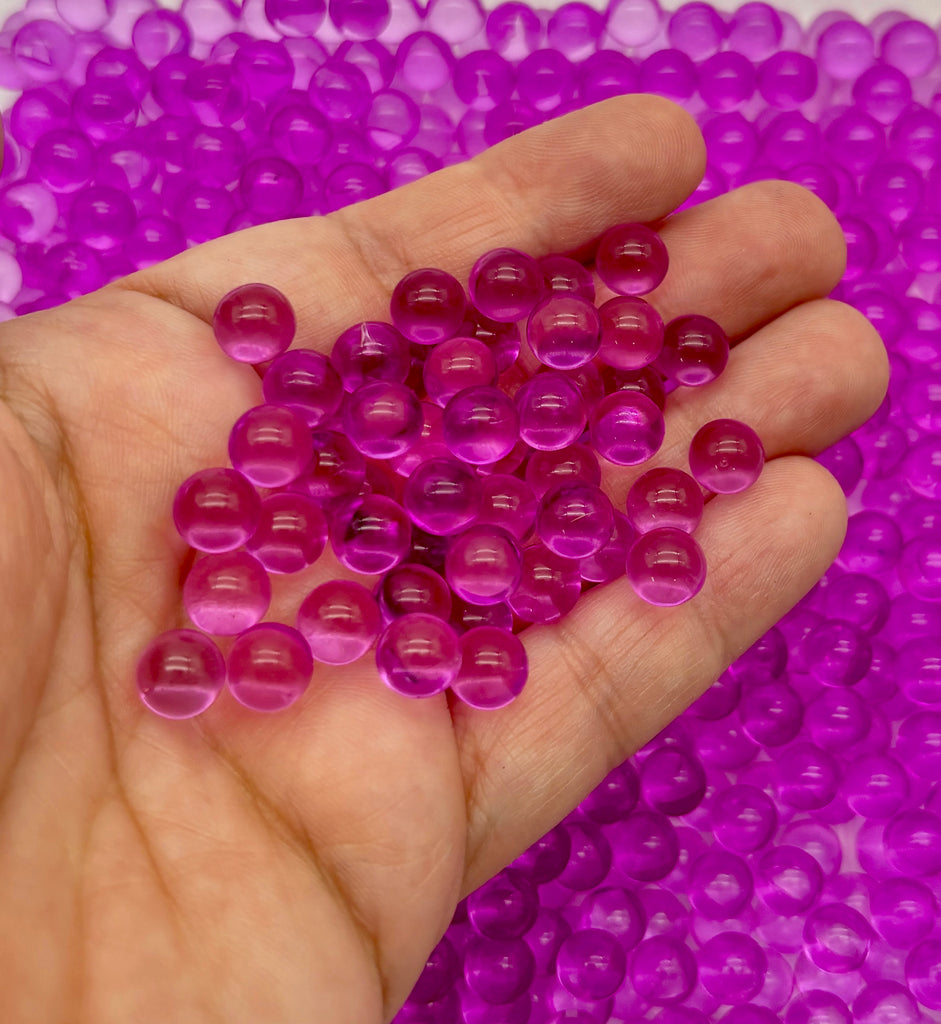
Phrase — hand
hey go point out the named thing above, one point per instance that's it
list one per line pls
(238, 867)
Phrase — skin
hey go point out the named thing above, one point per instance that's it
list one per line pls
(238, 867)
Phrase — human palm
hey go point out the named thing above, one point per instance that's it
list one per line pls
(240, 867)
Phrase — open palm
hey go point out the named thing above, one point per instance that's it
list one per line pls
(240, 867)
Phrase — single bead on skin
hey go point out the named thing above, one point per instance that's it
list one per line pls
(180, 674)
(269, 667)
(291, 533)
(726, 456)
(270, 445)
(418, 655)
(253, 323)
(216, 510)
(483, 565)
(631, 259)
(226, 593)
(665, 497)
(493, 668)
(695, 350)
(505, 284)
(666, 567)
(428, 306)
(340, 620)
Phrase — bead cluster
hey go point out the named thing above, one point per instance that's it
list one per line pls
(473, 495)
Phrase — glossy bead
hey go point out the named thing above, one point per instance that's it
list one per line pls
(291, 533)
(913, 843)
(720, 885)
(226, 593)
(663, 970)
(564, 274)
(216, 510)
(631, 333)
(418, 655)
(575, 520)
(428, 306)
(483, 565)
(627, 428)
(370, 351)
(505, 284)
(498, 970)
(631, 259)
(340, 620)
(253, 323)
(483, 79)
(336, 471)
(269, 667)
(666, 567)
(665, 497)
(456, 364)
(608, 562)
(507, 502)
(493, 668)
(180, 674)
(413, 588)
(442, 496)
(374, 537)
(382, 418)
(549, 585)
(270, 445)
(546, 469)
(564, 331)
(306, 382)
(695, 350)
(837, 938)
(837, 653)
(788, 880)
(551, 411)
(808, 777)
(672, 780)
(726, 456)
(480, 425)
(787, 79)
(744, 818)
(591, 964)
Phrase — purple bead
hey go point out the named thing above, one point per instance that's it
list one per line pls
(483, 565)
(296, 17)
(63, 160)
(732, 967)
(837, 653)
(837, 938)
(614, 797)
(101, 217)
(300, 134)
(483, 80)
(575, 519)
(269, 667)
(374, 537)
(808, 777)
(696, 29)
(726, 456)
(665, 497)
(608, 562)
(631, 259)
(180, 674)
(631, 333)
(480, 425)
(442, 496)
(918, 744)
(291, 533)
(455, 21)
(591, 964)
(505, 285)
(663, 970)
(645, 846)
(719, 700)
(564, 331)
(509, 503)
(336, 471)
(726, 81)
(744, 818)
(875, 786)
(563, 274)
(466, 616)
(627, 428)
(498, 970)
(359, 19)
(913, 843)
(270, 445)
(382, 418)
(413, 588)
(788, 880)
(732, 143)
(546, 469)
(720, 885)
(818, 1007)
(503, 340)
(764, 661)
(505, 907)
(216, 510)
(903, 911)
(890, 1000)
(546, 858)
(158, 34)
(883, 92)
(546, 81)
(549, 586)
(855, 141)
(605, 74)
(669, 73)
(845, 49)
(922, 975)
(43, 50)
(253, 323)
(271, 188)
(873, 543)
(695, 350)
(666, 567)
(493, 668)
(418, 655)
(672, 781)
(340, 621)
(575, 29)
(911, 46)
(306, 382)
(226, 593)
(370, 351)
(513, 30)
(424, 62)
(428, 306)
(456, 364)
(837, 718)
(589, 859)
(787, 79)
(340, 91)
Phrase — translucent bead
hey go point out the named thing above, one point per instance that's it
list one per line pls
(575, 30)
(498, 970)
(669, 73)
(483, 80)
(180, 674)
(631, 259)
(63, 160)
(845, 49)
(513, 30)
(504, 907)
(340, 620)
(837, 938)
(787, 79)
(359, 19)
(855, 141)
(696, 29)
(918, 667)
(270, 445)
(589, 859)
(439, 973)
(744, 818)
(921, 468)
(663, 970)
(720, 885)
(817, 1006)
(726, 81)
(732, 967)
(370, 351)
(43, 50)
(455, 21)
(771, 713)
(383, 419)
(374, 537)
(627, 428)
(101, 217)
(551, 412)
(340, 91)
(646, 381)
(915, 138)
(428, 306)
(665, 497)
(269, 667)
(271, 188)
(305, 382)
(875, 786)
(509, 503)
(456, 364)
(549, 585)
(505, 285)
(837, 653)
(631, 333)
(253, 323)
(546, 469)
(564, 331)
(216, 510)
(546, 81)
(591, 964)
(634, 22)
(336, 471)
(563, 274)
(480, 425)
(226, 593)
(726, 456)
(695, 350)
(920, 568)
(883, 92)
(483, 565)
(605, 74)
(755, 30)
(666, 567)
(296, 17)
(442, 496)
(424, 62)
(608, 562)
(291, 533)
(413, 588)
(873, 543)
(265, 66)
(392, 121)
(858, 599)
(672, 780)
(575, 519)
(911, 46)
(418, 655)
(493, 669)
(788, 880)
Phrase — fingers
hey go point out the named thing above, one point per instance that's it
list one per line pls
(551, 189)
(616, 670)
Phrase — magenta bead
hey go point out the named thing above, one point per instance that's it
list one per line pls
(837, 653)
(442, 496)
(270, 445)
(306, 382)
(226, 593)
(575, 519)
(744, 818)
(498, 970)
(359, 19)
(564, 331)
(772, 713)
(672, 780)
(483, 565)
(63, 160)
(903, 911)
(591, 964)
(370, 351)
(627, 428)
(549, 585)
(383, 419)
(913, 842)
(817, 1006)
(665, 497)
(180, 674)
(101, 217)
(546, 469)
(509, 503)
(808, 777)
(340, 620)
(787, 79)
(551, 411)
(695, 350)
(631, 333)
(413, 588)
(608, 562)
(720, 885)
(631, 259)
(504, 907)
(428, 306)
(269, 667)
(456, 364)
(43, 50)
(732, 967)
(374, 537)
(418, 655)
(563, 274)
(336, 471)
(646, 846)
(216, 510)
(483, 80)
(663, 970)
(788, 880)
(493, 668)
(480, 425)
(253, 323)
(505, 284)
(291, 533)
(837, 938)
(726, 456)
(666, 567)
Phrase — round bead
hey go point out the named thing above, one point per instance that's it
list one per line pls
(370, 351)
(180, 674)
(922, 974)
(837, 938)
(771, 713)
(480, 425)
(695, 350)
(903, 911)
(428, 306)
(646, 846)
(509, 503)
(913, 842)
(549, 585)
(359, 19)
(837, 653)
(787, 79)
(336, 471)
(483, 565)
(666, 567)
(744, 818)
(665, 497)
(575, 519)
(291, 533)
(918, 744)
(732, 967)
(483, 80)
(631, 333)
(505, 284)
(720, 885)
(672, 780)
(270, 445)
(627, 428)
(216, 510)
(374, 537)
(726, 456)
(546, 469)
(663, 970)
(383, 419)
(306, 382)
(504, 907)
(551, 411)
(563, 274)
(340, 621)
(442, 496)
(226, 593)
(808, 777)
(418, 655)
(875, 786)
(253, 323)
(631, 259)
(591, 964)
(608, 562)
(564, 331)
(269, 667)
(498, 970)
(818, 1007)
(788, 880)
(493, 668)
(456, 364)
(413, 588)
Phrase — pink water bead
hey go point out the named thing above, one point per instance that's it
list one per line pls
(546, 469)
(631, 333)
(509, 503)
(216, 510)
(564, 274)
(564, 331)
(456, 364)
(336, 471)
(442, 496)
(666, 567)
(253, 323)
(480, 425)
(269, 667)
(726, 456)
(549, 585)
(903, 911)
(428, 306)
(591, 964)
(695, 350)
(483, 565)
(493, 668)
(837, 938)
(665, 497)
(270, 445)
(732, 967)
(575, 519)
(608, 562)
(720, 885)
(413, 588)
(505, 284)
(505, 907)
(631, 259)
(306, 382)
(340, 620)
(663, 970)
(374, 537)
(551, 411)
(370, 351)
(418, 655)
(291, 532)
(226, 593)
(383, 419)
(627, 428)
(913, 843)
(180, 674)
